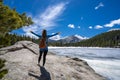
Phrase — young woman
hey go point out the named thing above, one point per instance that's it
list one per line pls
(44, 50)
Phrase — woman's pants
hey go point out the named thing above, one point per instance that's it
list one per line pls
(44, 56)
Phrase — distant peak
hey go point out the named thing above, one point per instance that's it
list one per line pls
(114, 29)
(80, 37)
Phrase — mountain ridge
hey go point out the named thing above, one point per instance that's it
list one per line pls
(69, 39)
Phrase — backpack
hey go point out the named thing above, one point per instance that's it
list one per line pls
(42, 43)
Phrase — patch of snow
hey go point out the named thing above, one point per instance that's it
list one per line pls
(114, 29)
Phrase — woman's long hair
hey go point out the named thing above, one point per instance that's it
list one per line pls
(44, 34)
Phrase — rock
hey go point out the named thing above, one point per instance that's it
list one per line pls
(22, 65)
(21, 45)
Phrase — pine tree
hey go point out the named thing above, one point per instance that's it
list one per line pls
(10, 19)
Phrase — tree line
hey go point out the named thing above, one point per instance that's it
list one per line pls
(107, 39)
(11, 39)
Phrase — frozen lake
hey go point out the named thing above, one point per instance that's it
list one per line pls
(105, 61)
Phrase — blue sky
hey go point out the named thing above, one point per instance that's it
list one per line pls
(86, 18)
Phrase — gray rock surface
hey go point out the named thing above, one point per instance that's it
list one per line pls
(22, 65)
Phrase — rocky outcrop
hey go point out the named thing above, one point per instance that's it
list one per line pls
(22, 65)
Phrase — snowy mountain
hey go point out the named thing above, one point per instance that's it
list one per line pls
(69, 39)
(114, 29)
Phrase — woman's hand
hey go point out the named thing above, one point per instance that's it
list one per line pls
(30, 31)
(58, 32)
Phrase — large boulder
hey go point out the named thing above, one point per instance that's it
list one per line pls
(22, 65)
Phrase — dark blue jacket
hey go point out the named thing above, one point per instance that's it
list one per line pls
(48, 36)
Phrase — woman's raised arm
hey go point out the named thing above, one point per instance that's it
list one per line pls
(53, 34)
(36, 34)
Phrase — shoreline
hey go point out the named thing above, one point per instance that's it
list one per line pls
(103, 61)
(82, 47)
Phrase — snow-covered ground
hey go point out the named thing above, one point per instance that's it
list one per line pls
(105, 61)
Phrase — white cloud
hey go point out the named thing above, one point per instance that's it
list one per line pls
(98, 27)
(90, 27)
(33, 28)
(79, 27)
(112, 23)
(30, 28)
(30, 35)
(99, 5)
(71, 26)
(48, 19)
